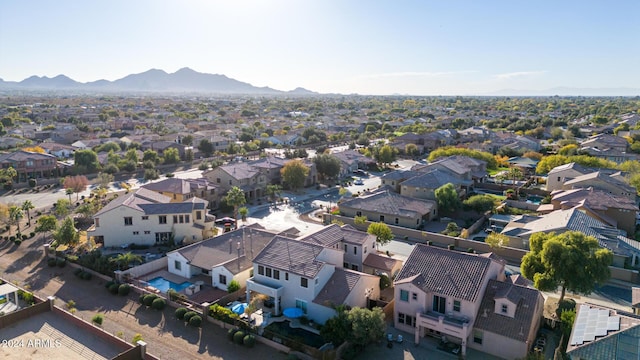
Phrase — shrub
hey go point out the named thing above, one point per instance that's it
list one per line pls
(151, 174)
(238, 337)
(137, 337)
(107, 285)
(169, 175)
(124, 289)
(61, 262)
(141, 298)
(249, 341)
(188, 315)
(471, 251)
(230, 333)
(33, 183)
(158, 304)
(24, 236)
(97, 319)
(233, 286)
(26, 297)
(180, 313)
(12, 238)
(77, 272)
(384, 281)
(149, 298)
(18, 242)
(113, 288)
(86, 275)
(32, 234)
(204, 166)
(451, 247)
(52, 262)
(195, 321)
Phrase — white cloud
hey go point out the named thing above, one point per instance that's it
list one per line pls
(416, 74)
(512, 75)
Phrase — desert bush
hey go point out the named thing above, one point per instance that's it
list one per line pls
(113, 288)
(148, 299)
(180, 313)
(107, 285)
(158, 304)
(124, 289)
(52, 262)
(97, 319)
(195, 321)
(61, 262)
(238, 337)
(188, 315)
(137, 337)
(230, 333)
(249, 341)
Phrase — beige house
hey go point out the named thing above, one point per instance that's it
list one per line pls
(390, 208)
(240, 174)
(145, 217)
(180, 190)
(465, 299)
(614, 184)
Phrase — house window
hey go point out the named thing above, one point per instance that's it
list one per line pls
(365, 249)
(286, 276)
(401, 318)
(505, 308)
(439, 304)
(268, 273)
(177, 264)
(382, 218)
(97, 222)
(354, 267)
(145, 218)
(198, 215)
(406, 319)
(136, 233)
(186, 219)
(163, 237)
(181, 219)
(397, 221)
(260, 269)
(345, 247)
(477, 337)
(558, 178)
(128, 221)
(300, 304)
(162, 219)
(222, 279)
(358, 213)
(175, 219)
(175, 196)
(230, 182)
(147, 232)
(355, 250)
(345, 265)
(211, 192)
(414, 296)
(404, 295)
(456, 305)
(276, 274)
(218, 180)
(304, 282)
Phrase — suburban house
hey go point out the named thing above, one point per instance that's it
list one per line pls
(466, 299)
(161, 146)
(60, 151)
(563, 173)
(394, 178)
(616, 211)
(241, 174)
(270, 166)
(624, 250)
(606, 142)
(463, 167)
(30, 165)
(310, 277)
(180, 190)
(424, 185)
(351, 160)
(390, 208)
(614, 184)
(223, 258)
(600, 332)
(145, 217)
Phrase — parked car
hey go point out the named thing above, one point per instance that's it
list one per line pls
(359, 182)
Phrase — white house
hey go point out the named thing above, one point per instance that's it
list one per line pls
(145, 217)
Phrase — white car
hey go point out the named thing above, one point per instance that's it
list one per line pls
(359, 182)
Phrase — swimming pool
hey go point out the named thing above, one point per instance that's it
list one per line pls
(163, 284)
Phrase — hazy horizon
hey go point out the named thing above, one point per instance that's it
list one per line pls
(412, 47)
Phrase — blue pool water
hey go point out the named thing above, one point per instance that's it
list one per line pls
(163, 284)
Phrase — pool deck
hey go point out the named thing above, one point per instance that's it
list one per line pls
(207, 294)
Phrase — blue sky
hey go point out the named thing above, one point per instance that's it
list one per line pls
(365, 47)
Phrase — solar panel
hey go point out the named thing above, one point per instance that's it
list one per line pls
(591, 323)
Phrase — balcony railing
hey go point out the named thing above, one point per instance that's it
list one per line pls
(458, 321)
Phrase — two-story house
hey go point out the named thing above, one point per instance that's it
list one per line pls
(30, 165)
(425, 185)
(444, 293)
(309, 277)
(180, 190)
(613, 184)
(145, 217)
(567, 172)
(241, 174)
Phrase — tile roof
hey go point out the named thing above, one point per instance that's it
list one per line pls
(220, 250)
(387, 202)
(526, 300)
(298, 257)
(239, 170)
(21, 155)
(172, 185)
(153, 203)
(338, 287)
(333, 234)
(446, 272)
(380, 262)
(602, 176)
(435, 179)
(593, 198)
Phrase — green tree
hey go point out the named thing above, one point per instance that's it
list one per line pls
(273, 191)
(205, 147)
(244, 212)
(451, 150)
(15, 214)
(27, 206)
(187, 140)
(480, 202)
(386, 155)
(233, 286)
(381, 231)
(447, 198)
(328, 165)
(45, 224)
(411, 150)
(132, 155)
(496, 240)
(294, 173)
(125, 260)
(235, 197)
(67, 233)
(7, 175)
(338, 328)
(62, 208)
(171, 156)
(571, 260)
(367, 326)
(151, 155)
(86, 161)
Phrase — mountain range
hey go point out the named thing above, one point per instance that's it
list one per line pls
(184, 80)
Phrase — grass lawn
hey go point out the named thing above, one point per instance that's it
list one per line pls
(493, 172)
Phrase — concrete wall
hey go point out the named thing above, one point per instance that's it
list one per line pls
(185, 268)
(522, 205)
(25, 313)
(151, 266)
(500, 346)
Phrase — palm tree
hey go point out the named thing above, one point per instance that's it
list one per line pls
(235, 197)
(27, 205)
(15, 214)
(124, 260)
(243, 211)
(69, 191)
(273, 192)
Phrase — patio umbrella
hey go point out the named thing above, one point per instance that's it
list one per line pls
(293, 313)
(239, 308)
(226, 219)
